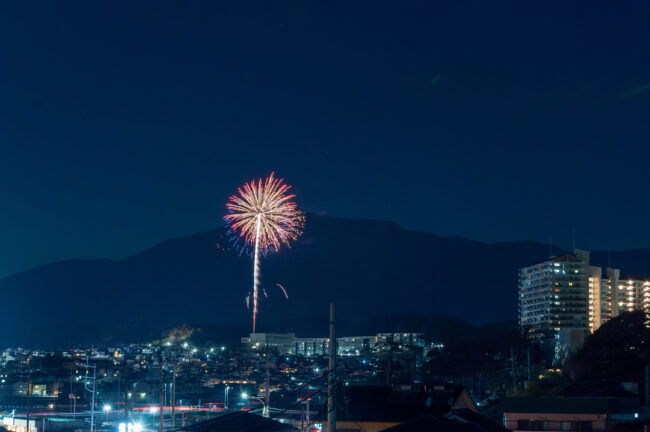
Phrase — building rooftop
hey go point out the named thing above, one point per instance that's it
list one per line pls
(611, 389)
(432, 423)
(480, 420)
(572, 405)
(240, 422)
(565, 258)
(386, 404)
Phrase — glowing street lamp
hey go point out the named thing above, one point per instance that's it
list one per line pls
(265, 407)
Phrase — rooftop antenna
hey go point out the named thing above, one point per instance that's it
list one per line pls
(609, 258)
(550, 245)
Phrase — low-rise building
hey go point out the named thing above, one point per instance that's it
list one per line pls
(288, 343)
(560, 414)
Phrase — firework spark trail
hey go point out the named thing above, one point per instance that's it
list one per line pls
(263, 216)
(283, 290)
(256, 267)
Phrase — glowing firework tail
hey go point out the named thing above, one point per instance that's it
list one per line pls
(284, 291)
(262, 217)
(256, 267)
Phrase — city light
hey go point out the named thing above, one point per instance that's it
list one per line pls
(129, 427)
(107, 408)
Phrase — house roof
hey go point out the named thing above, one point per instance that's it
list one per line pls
(469, 416)
(383, 403)
(595, 389)
(240, 422)
(428, 422)
(572, 405)
(377, 403)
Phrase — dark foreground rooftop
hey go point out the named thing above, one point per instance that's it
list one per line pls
(240, 422)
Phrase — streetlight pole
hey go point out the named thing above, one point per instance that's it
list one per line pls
(265, 407)
(267, 392)
(331, 379)
(162, 395)
(172, 396)
(94, 390)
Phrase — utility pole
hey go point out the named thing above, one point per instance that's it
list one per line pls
(93, 391)
(389, 365)
(514, 380)
(647, 390)
(29, 398)
(70, 395)
(162, 394)
(173, 394)
(92, 404)
(528, 359)
(127, 406)
(331, 381)
(267, 392)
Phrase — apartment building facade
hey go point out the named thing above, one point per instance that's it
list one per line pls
(563, 299)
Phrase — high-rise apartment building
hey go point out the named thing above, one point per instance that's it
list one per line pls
(554, 303)
(563, 298)
(634, 294)
(603, 290)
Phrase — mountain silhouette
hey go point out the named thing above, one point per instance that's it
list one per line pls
(367, 267)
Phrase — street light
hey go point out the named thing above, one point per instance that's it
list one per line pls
(107, 409)
(265, 407)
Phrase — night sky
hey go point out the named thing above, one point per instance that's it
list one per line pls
(126, 123)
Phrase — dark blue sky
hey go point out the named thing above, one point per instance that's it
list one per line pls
(126, 123)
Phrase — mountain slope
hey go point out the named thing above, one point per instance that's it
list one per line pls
(367, 267)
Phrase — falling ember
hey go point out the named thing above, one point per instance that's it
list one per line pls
(284, 291)
(261, 218)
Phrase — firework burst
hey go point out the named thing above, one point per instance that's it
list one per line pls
(261, 218)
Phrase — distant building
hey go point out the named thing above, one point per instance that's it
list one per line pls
(633, 294)
(278, 341)
(603, 295)
(554, 303)
(288, 343)
(564, 298)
